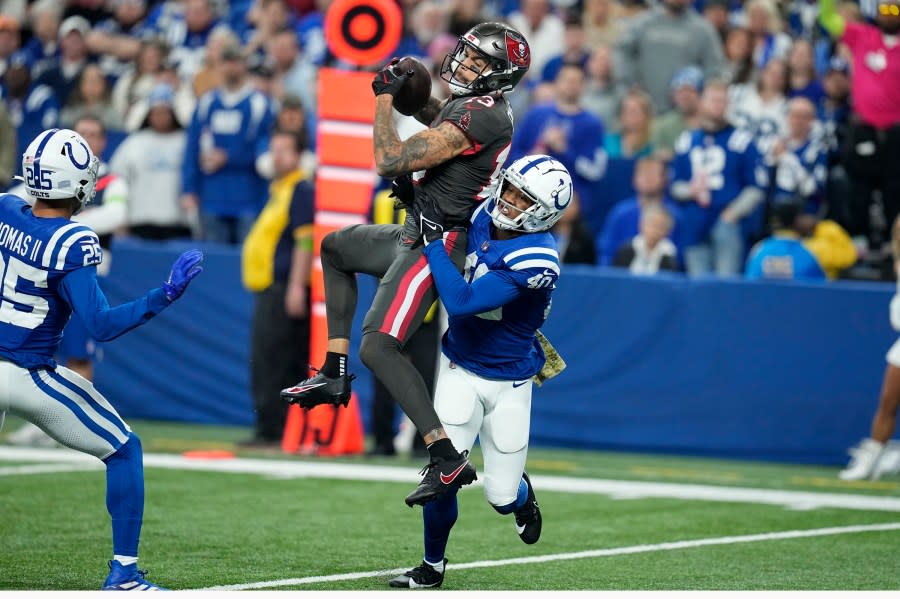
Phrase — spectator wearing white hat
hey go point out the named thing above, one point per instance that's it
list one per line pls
(63, 76)
(32, 107)
(150, 161)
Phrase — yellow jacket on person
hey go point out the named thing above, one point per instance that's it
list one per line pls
(832, 247)
(260, 258)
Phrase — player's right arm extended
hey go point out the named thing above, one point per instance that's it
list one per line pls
(488, 292)
(830, 19)
(80, 290)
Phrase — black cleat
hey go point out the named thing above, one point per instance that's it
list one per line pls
(441, 475)
(528, 517)
(422, 576)
(318, 390)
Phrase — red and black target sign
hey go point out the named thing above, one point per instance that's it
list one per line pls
(363, 32)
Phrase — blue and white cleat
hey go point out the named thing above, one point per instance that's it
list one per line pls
(127, 578)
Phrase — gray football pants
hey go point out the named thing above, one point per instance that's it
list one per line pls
(405, 293)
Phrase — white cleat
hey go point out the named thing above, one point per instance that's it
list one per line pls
(865, 461)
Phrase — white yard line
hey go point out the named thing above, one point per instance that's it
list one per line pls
(47, 468)
(556, 557)
(617, 489)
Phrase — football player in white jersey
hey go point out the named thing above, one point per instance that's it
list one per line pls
(49, 269)
(491, 350)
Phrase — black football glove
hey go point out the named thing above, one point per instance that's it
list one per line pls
(431, 223)
(388, 81)
(402, 191)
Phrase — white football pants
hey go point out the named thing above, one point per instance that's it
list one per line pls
(498, 412)
(65, 405)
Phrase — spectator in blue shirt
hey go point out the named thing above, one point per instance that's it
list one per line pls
(798, 160)
(117, 40)
(575, 50)
(718, 178)
(566, 131)
(43, 48)
(226, 135)
(621, 224)
(801, 248)
(32, 108)
(801, 73)
(63, 76)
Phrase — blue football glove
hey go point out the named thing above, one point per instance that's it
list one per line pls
(185, 268)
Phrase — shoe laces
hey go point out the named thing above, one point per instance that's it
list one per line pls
(434, 463)
(526, 514)
(429, 467)
(141, 574)
(422, 569)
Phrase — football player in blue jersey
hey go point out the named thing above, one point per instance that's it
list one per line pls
(491, 350)
(49, 268)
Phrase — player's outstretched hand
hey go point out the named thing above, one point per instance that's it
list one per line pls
(431, 223)
(402, 190)
(185, 268)
(387, 81)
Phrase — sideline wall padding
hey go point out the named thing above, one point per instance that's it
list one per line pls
(729, 368)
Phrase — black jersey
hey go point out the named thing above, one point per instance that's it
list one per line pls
(461, 183)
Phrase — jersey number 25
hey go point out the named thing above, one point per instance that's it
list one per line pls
(13, 270)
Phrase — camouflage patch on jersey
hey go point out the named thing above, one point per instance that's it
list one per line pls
(554, 364)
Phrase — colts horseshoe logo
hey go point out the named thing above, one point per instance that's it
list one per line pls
(71, 154)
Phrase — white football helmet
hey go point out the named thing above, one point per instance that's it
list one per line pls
(59, 165)
(542, 179)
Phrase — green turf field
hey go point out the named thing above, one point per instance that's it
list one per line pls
(206, 528)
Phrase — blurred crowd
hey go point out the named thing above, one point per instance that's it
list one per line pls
(694, 130)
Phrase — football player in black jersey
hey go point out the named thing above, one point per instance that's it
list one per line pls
(441, 173)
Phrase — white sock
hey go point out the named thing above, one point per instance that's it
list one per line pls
(439, 567)
(125, 560)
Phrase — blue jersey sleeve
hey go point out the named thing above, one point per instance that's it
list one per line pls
(78, 248)
(494, 289)
(533, 268)
(80, 290)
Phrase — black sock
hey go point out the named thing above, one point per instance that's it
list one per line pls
(442, 448)
(335, 365)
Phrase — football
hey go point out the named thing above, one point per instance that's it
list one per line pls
(414, 94)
